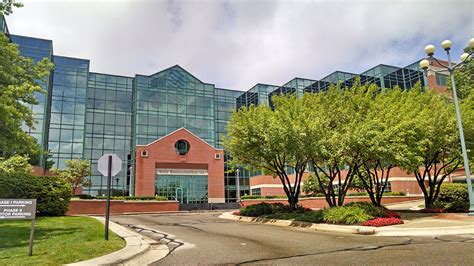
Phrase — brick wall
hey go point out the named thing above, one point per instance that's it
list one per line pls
(97, 207)
(162, 154)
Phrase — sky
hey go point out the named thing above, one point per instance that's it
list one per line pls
(237, 44)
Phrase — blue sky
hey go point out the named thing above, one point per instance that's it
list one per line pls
(236, 44)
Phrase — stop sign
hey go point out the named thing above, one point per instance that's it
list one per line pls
(103, 164)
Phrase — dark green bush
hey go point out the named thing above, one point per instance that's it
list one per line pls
(159, 198)
(309, 216)
(85, 196)
(52, 194)
(394, 193)
(260, 209)
(369, 208)
(359, 193)
(346, 215)
(364, 193)
(453, 198)
(263, 197)
(269, 208)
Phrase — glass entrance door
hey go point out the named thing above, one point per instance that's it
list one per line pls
(183, 188)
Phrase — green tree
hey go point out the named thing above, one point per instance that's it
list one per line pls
(464, 79)
(331, 152)
(383, 139)
(273, 141)
(16, 164)
(19, 78)
(75, 174)
(6, 7)
(438, 149)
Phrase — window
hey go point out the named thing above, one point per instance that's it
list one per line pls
(182, 147)
(256, 191)
(441, 79)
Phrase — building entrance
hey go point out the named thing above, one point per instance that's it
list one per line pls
(188, 186)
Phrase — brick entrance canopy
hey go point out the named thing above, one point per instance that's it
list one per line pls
(162, 154)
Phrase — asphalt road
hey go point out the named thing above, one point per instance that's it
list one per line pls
(203, 238)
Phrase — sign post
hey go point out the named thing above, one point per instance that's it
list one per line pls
(20, 209)
(108, 165)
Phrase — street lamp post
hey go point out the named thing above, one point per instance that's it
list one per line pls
(237, 183)
(465, 57)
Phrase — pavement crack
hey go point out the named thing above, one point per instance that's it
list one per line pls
(442, 239)
(364, 248)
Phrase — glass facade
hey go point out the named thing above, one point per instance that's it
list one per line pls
(37, 49)
(85, 115)
(68, 109)
(3, 25)
(169, 100)
(108, 128)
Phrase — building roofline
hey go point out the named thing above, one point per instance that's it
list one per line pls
(70, 57)
(31, 37)
(100, 73)
(177, 65)
(179, 129)
(229, 89)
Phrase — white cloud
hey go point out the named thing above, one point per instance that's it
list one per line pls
(236, 44)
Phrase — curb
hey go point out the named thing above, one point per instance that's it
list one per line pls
(136, 246)
(356, 229)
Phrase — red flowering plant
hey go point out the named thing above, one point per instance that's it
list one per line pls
(377, 222)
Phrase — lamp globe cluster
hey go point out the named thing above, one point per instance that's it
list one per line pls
(446, 44)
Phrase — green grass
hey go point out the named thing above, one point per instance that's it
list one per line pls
(310, 217)
(58, 240)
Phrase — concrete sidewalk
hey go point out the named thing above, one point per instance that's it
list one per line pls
(139, 250)
(416, 224)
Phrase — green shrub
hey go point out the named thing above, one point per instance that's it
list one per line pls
(364, 193)
(52, 194)
(394, 193)
(260, 209)
(453, 198)
(158, 198)
(346, 215)
(309, 216)
(369, 208)
(85, 196)
(263, 197)
(359, 193)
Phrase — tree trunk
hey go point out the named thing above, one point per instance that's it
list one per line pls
(293, 202)
(428, 202)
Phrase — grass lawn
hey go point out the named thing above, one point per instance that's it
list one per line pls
(58, 240)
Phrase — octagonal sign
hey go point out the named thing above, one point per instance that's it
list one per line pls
(103, 164)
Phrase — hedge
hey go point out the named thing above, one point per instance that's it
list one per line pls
(87, 197)
(52, 193)
(453, 198)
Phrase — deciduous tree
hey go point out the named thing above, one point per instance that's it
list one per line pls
(273, 141)
(19, 78)
(75, 174)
